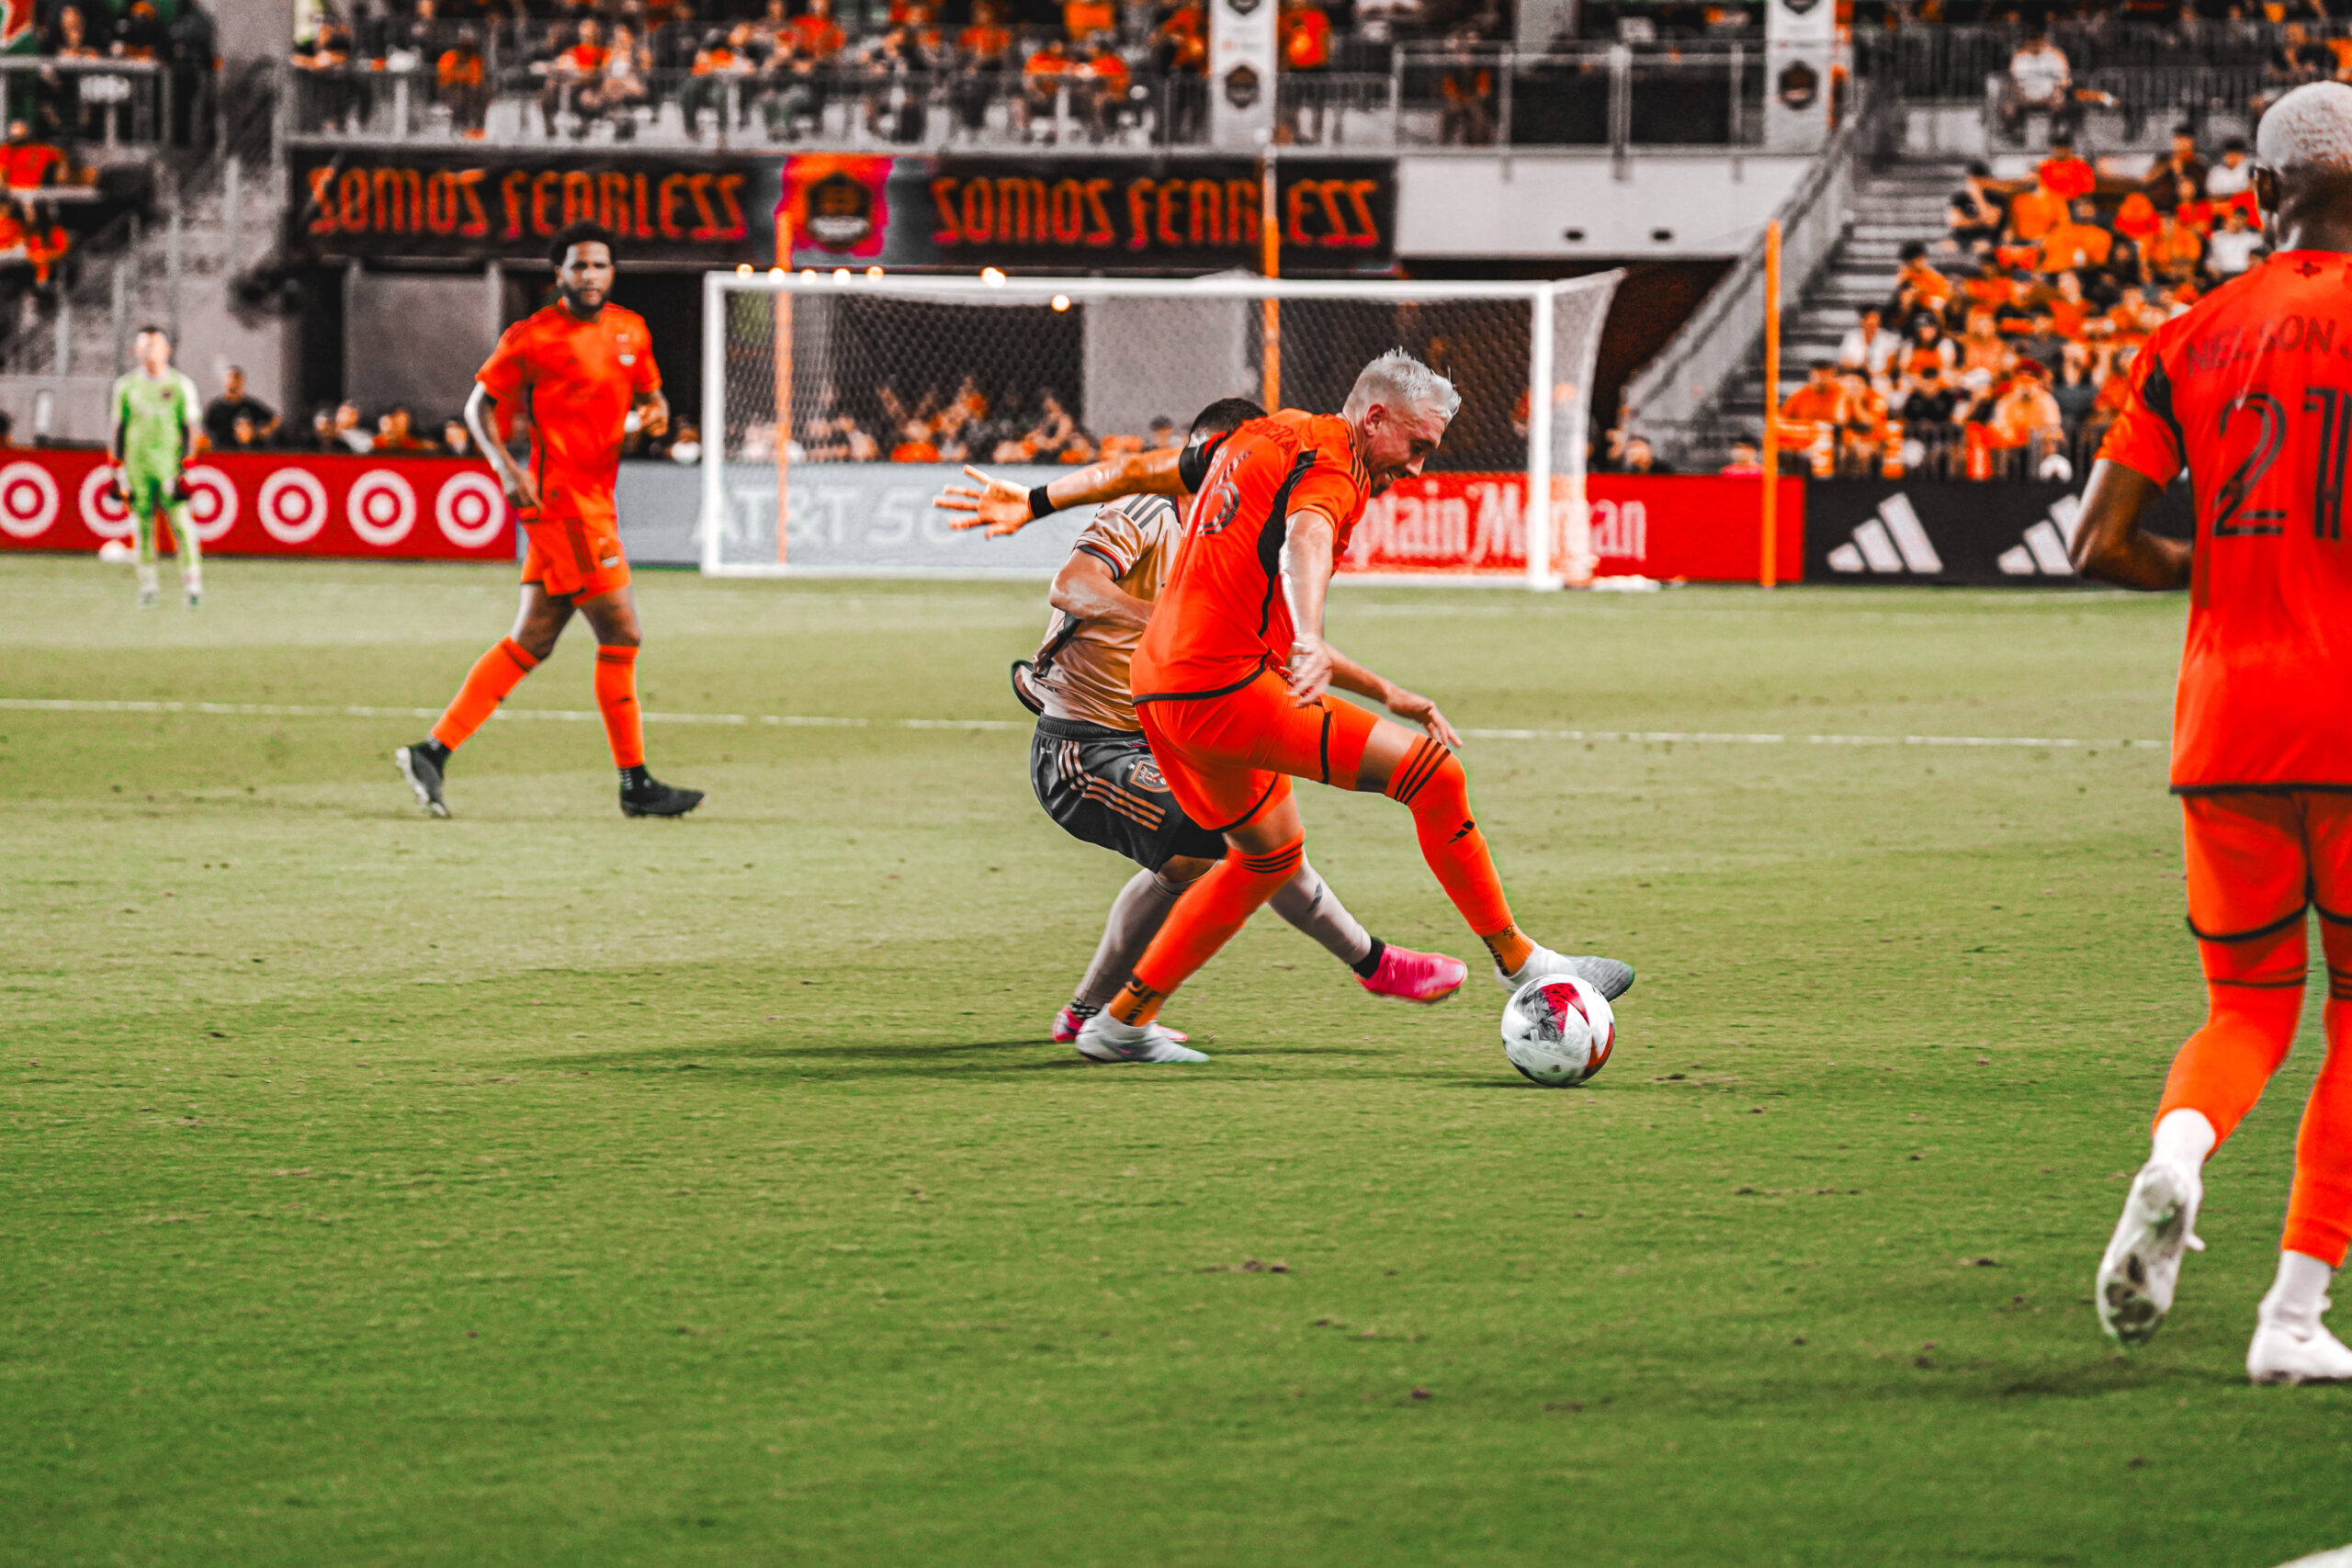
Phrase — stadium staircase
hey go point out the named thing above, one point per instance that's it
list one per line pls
(1901, 202)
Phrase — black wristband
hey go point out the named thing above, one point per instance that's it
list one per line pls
(1039, 505)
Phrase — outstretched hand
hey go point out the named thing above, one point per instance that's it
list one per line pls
(1423, 712)
(999, 505)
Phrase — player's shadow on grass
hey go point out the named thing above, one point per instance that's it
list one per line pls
(964, 1058)
(749, 1057)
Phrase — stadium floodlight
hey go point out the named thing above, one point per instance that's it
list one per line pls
(1018, 373)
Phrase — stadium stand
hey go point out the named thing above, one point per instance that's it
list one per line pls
(114, 125)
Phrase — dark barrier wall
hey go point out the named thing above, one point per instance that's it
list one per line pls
(1941, 531)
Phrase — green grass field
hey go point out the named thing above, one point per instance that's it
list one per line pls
(538, 1188)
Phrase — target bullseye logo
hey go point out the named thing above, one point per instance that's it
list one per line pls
(471, 509)
(29, 501)
(292, 505)
(211, 501)
(103, 512)
(382, 508)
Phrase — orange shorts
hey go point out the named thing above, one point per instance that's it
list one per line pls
(1229, 756)
(2256, 860)
(574, 557)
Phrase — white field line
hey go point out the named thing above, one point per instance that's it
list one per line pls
(819, 721)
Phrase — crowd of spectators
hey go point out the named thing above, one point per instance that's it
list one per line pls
(1079, 66)
(69, 96)
(2004, 350)
(969, 426)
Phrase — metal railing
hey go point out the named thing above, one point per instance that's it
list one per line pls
(116, 105)
(828, 106)
(1618, 97)
(2140, 104)
(1671, 397)
(1700, 95)
(1952, 64)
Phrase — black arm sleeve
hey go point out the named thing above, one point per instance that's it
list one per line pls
(1193, 462)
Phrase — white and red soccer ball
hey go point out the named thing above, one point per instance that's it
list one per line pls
(1558, 1031)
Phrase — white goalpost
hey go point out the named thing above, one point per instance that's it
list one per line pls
(835, 405)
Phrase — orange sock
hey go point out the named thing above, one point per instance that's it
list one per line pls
(1204, 920)
(617, 696)
(2319, 1207)
(2254, 991)
(494, 675)
(1430, 784)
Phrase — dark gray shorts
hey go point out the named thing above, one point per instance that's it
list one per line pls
(1103, 787)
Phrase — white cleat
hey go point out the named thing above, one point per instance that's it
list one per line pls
(1606, 975)
(2294, 1353)
(2142, 1263)
(1105, 1039)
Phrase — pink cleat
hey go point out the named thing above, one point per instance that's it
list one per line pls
(1067, 1023)
(1410, 976)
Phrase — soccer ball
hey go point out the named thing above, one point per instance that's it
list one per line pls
(1558, 1031)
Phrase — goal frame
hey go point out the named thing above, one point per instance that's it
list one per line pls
(1572, 550)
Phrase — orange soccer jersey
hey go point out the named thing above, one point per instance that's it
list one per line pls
(2252, 392)
(575, 379)
(1222, 617)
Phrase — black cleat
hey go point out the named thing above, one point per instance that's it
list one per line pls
(655, 798)
(423, 775)
(1024, 687)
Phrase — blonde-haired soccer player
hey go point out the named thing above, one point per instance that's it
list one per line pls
(1232, 681)
(1092, 770)
(2249, 392)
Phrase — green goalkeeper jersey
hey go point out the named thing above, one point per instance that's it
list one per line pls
(151, 422)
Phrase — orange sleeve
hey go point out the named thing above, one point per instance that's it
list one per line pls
(1327, 489)
(2145, 436)
(645, 376)
(503, 374)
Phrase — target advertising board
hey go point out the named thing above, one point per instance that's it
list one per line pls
(295, 504)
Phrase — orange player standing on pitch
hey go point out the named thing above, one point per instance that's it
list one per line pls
(575, 370)
(2251, 391)
(1230, 682)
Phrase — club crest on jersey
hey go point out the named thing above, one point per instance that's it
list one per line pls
(1147, 777)
(1223, 502)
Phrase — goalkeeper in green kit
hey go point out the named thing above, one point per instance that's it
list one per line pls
(156, 417)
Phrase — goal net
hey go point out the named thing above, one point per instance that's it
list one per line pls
(836, 406)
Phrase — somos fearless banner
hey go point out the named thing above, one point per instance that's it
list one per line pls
(1043, 213)
(1956, 532)
(473, 203)
(1087, 214)
(290, 504)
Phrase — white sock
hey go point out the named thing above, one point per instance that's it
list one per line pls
(1136, 915)
(147, 579)
(2299, 1295)
(2184, 1137)
(1311, 906)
